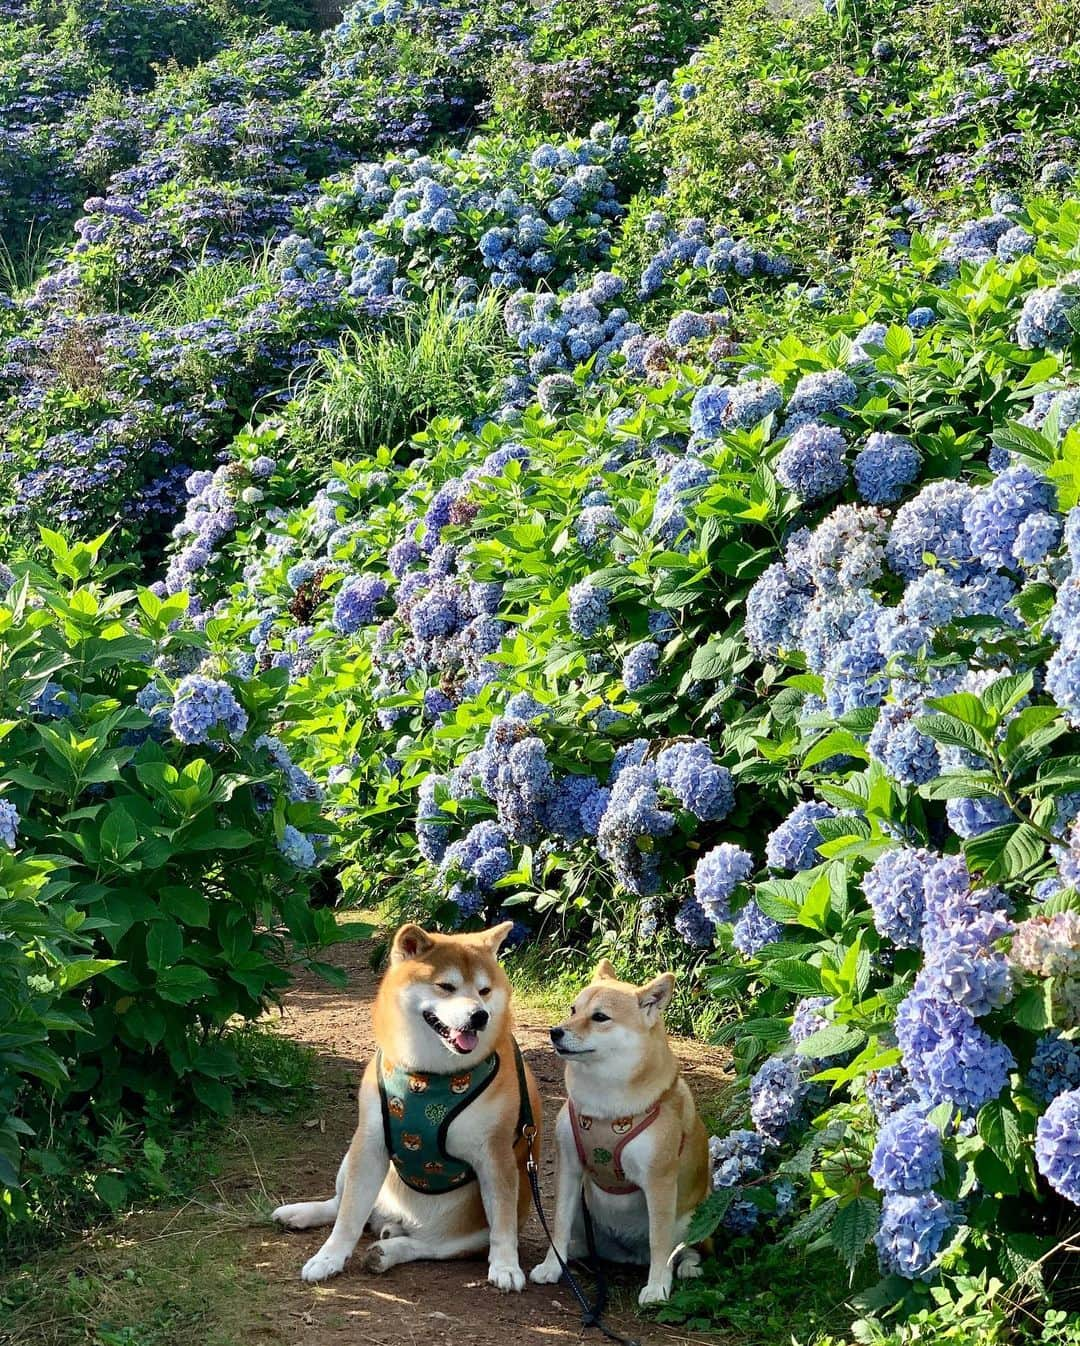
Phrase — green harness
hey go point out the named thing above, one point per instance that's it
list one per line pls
(417, 1109)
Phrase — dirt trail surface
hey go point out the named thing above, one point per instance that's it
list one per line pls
(424, 1302)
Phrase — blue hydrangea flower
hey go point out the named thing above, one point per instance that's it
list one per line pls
(993, 513)
(793, 845)
(700, 784)
(750, 402)
(753, 930)
(807, 1018)
(1057, 1145)
(932, 523)
(887, 1091)
(907, 1154)
(777, 1092)
(919, 319)
(823, 393)
(884, 466)
(693, 925)
(736, 1157)
(1055, 1067)
(203, 704)
(355, 602)
(910, 1234)
(717, 874)
(588, 608)
(811, 464)
(9, 823)
(776, 609)
(894, 888)
(640, 666)
(1047, 317)
(707, 410)
(297, 848)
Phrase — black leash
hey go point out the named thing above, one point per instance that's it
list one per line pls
(591, 1314)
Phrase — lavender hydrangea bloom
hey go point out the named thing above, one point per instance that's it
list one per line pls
(1057, 1145)
(910, 1233)
(1055, 1067)
(776, 608)
(1046, 319)
(811, 464)
(297, 848)
(907, 1155)
(887, 1091)
(694, 925)
(777, 1091)
(588, 608)
(807, 1018)
(753, 930)
(640, 666)
(697, 782)
(994, 513)
(750, 402)
(736, 1157)
(356, 601)
(707, 410)
(894, 888)
(793, 845)
(718, 873)
(933, 523)
(9, 823)
(203, 704)
(884, 466)
(634, 813)
(823, 393)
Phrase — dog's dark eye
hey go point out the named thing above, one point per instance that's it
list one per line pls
(572, 1011)
(484, 990)
(446, 986)
(599, 1018)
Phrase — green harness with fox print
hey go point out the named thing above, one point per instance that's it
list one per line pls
(417, 1109)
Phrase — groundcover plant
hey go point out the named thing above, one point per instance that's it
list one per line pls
(616, 468)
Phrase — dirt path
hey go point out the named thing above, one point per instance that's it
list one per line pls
(217, 1272)
(427, 1303)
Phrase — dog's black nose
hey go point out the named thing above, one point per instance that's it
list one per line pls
(557, 1034)
(478, 1019)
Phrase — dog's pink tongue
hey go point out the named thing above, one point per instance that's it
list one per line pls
(464, 1040)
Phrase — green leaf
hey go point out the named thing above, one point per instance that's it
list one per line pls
(839, 743)
(213, 1094)
(1004, 852)
(709, 1214)
(1000, 1131)
(1033, 1008)
(948, 729)
(164, 943)
(853, 1228)
(74, 974)
(833, 1040)
(186, 904)
(111, 1189)
(183, 984)
(792, 974)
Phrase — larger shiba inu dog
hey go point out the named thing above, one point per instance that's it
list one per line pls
(629, 1136)
(436, 1167)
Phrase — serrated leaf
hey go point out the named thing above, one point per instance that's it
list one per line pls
(947, 729)
(833, 1040)
(1005, 852)
(853, 1228)
(709, 1214)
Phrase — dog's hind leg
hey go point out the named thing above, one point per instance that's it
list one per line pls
(391, 1252)
(312, 1214)
(688, 1266)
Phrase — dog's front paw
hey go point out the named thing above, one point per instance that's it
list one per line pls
(298, 1215)
(547, 1272)
(656, 1292)
(506, 1276)
(325, 1263)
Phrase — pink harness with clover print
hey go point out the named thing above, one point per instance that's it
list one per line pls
(600, 1142)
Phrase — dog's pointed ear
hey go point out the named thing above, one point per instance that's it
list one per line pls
(494, 938)
(656, 997)
(410, 942)
(605, 971)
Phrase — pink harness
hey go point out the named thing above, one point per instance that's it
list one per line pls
(600, 1142)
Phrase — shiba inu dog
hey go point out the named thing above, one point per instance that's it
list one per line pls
(436, 1167)
(628, 1136)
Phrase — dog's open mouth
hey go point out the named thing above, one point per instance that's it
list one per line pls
(462, 1040)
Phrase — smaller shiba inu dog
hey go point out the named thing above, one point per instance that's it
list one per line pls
(437, 1164)
(628, 1137)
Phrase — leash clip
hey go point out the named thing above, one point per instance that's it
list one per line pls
(529, 1134)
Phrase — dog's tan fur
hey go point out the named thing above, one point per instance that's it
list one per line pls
(616, 1067)
(485, 1214)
